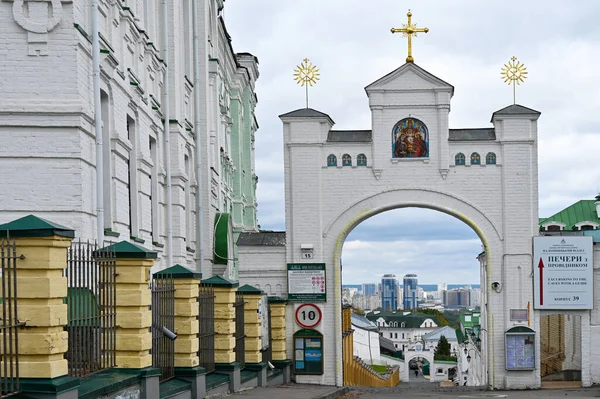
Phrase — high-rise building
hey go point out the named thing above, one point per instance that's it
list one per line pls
(389, 292)
(457, 298)
(411, 286)
(369, 289)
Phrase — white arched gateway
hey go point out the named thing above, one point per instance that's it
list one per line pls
(485, 177)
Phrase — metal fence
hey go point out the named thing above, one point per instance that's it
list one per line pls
(206, 329)
(91, 309)
(267, 353)
(163, 325)
(9, 356)
(240, 333)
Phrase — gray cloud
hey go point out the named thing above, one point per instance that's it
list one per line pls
(468, 42)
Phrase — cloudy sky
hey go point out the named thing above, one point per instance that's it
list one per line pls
(467, 43)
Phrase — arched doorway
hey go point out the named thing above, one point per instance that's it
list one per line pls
(348, 220)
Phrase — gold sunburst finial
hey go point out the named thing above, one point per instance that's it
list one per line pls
(514, 72)
(409, 30)
(306, 74)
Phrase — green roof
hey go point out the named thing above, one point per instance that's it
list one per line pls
(178, 271)
(220, 281)
(33, 226)
(411, 320)
(460, 337)
(469, 324)
(129, 250)
(584, 210)
(248, 289)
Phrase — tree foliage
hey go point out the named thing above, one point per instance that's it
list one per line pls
(442, 350)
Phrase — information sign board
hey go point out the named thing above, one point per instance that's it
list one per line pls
(306, 282)
(520, 349)
(563, 272)
(308, 352)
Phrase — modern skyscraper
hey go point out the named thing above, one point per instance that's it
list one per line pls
(389, 292)
(369, 289)
(410, 291)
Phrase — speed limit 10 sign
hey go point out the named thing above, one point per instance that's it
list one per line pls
(308, 315)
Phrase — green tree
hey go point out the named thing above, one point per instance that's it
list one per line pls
(442, 350)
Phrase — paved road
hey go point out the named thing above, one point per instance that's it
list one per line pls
(416, 390)
(366, 393)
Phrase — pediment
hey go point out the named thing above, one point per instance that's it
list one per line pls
(409, 77)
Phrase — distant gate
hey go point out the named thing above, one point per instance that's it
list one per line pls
(560, 347)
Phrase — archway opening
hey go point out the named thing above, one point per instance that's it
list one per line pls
(415, 275)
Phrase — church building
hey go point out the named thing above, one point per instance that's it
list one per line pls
(205, 164)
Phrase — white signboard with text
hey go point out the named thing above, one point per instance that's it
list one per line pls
(563, 272)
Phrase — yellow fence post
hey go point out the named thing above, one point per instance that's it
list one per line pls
(134, 317)
(280, 360)
(41, 248)
(187, 362)
(253, 322)
(225, 290)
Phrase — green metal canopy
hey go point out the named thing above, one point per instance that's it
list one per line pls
(221, 253)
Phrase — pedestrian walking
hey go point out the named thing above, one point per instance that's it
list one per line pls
(416, 372)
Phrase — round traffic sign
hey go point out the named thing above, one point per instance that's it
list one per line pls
(308, 315)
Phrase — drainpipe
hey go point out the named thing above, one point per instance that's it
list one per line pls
(167, 133)
(98, 124)
(197, 127)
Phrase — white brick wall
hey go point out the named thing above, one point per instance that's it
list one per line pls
(323, 204)
(47, 118)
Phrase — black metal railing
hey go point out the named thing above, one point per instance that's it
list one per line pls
(10, 324)
(91, 309)
(163, 325)
(206, 328)
(267, 352)
(240, 332)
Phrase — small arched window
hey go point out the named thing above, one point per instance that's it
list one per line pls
(459, 159)
(346, 160)
(331, 160)
(490, 158)
(475, 159)
(403, 324)
(361, 160)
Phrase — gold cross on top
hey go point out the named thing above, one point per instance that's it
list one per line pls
(408, 30)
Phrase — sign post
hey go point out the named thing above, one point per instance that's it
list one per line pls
(308, 315)
(563, 272)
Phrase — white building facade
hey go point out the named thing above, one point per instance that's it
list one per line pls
(47, 124)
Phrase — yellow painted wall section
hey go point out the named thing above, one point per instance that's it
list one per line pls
(252, 326)
(41, 288)
(224, 324)
(134, 316)
(186, 322)
(278, 330)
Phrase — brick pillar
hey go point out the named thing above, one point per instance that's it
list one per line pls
(186, 327)
(225, 290)
(41, 288)
(278, 336)
(278, 333)
(134, 317)
(186, 314)
(42, 257)
(252, 323)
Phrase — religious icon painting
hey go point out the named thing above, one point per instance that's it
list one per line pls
(410, 139)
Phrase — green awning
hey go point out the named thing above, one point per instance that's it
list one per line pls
(221, 253)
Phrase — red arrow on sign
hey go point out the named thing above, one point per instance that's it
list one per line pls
(541, 267)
